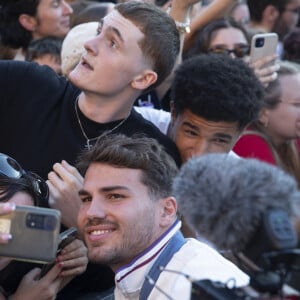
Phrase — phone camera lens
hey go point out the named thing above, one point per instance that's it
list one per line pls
(49, 223)
(35, 221)
(259, 42)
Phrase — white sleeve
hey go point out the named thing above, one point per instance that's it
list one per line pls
(160, 118)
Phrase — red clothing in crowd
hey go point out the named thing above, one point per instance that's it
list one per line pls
(251, 145)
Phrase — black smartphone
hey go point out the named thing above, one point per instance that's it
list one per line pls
(64, 239)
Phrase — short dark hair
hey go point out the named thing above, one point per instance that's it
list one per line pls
(12, 33)
(41, 47)
(161, 42)
(217, 88)
(136, 152)
(256, 8)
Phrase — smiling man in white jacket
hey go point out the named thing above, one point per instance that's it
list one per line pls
(128, 219)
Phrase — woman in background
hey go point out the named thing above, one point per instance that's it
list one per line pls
(226, 36)
(272, 138)
(24, 20)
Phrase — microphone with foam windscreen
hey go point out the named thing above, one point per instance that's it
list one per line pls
(224, 198)
(242, 206)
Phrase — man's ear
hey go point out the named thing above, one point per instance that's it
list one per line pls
(28, 22)
(168, 211)
(270, 14)
(143, 81)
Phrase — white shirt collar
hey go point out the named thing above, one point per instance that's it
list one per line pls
(129, 278)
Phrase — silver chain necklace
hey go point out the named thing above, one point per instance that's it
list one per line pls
(88, 144)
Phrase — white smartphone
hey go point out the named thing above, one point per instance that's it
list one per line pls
(34, 233)
(263, 44)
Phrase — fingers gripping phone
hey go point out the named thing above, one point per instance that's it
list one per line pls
(64, 239)
(34, 233)
(262, 45)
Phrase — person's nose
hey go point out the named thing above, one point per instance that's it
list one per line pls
(92, 45)
(67, 9)
(96, 209)
(201, 147)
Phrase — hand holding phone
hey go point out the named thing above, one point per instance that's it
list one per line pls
(263, 56)
(263, 45)
(34, 232)
(65, 238)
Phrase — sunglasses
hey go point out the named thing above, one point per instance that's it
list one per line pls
(239, 51)
(10, 168)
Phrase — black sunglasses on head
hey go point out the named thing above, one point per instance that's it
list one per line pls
(239, 51)
(10, 168)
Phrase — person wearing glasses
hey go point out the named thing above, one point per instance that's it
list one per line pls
(272, 138)
(226, 36)
(19, 280)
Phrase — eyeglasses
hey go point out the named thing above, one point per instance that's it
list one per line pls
(239, 51)
(10, 168)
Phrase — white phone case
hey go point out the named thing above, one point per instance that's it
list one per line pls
(263, 44)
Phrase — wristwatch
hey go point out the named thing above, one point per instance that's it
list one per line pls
(183, 27)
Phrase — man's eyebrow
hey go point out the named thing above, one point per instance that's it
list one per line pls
(218, 134)
(113, 188)
(224, 136)
(188, 124)
(83, 192)
(112, 29)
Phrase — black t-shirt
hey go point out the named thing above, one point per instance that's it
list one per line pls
(38, 123)
(39, 127)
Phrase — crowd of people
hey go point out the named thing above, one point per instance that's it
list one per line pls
(156, 136)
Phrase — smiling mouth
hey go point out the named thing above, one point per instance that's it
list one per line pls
(100, 232)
